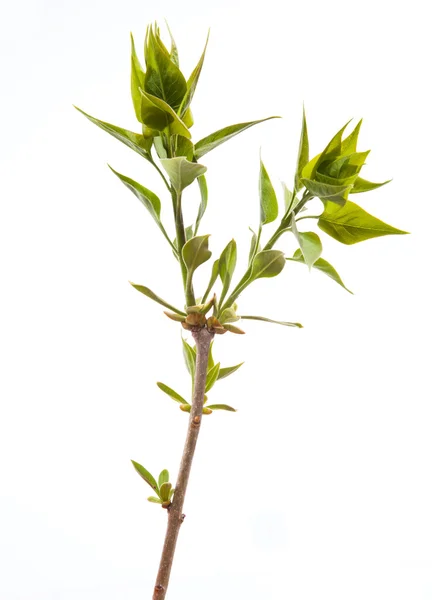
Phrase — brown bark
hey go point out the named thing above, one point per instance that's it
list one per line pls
(175, 512)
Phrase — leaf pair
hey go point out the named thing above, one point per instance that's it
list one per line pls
(162, 487)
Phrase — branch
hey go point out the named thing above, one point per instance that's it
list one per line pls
(175, 511)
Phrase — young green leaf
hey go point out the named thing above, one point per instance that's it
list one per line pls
(212, 376)
(147, 292)
(350, 224)
(193, 82)
(267, 263)
(227, 264)
(182, 172)
(202, 184)
(362, 185)
(190, 359)
(164, 491)
(171, 494)
(303, 153)
(286, 323)
(148, 477)
(137, 80)
(214, 140)
(333, 148)
(195, 252)
(213, 277)
(210, 362)
(183, 147)
(154, 500)
(321, 265)
(163, 477)
(309, 242)
(349, 144)
(144, 195)
(135, 141)
(324, 191)
(157, 114)
(233, 328)
(222, 407)
(254, 248)
(174, 51)
(267, 195)
(226, 371)
(228, 315)
(171, 393)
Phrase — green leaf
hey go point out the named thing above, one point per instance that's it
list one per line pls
(350, 224)
(286, 323)
(303, 153)
(349, 144)
(222, 407)
(164, 491)
(333, 148)
(267, 263)
(147, 292)
(362, 185)
(174, 51)
(154, 500)
(214, 140)
(190, 359)
(144, 195)
(163, 78)
(210, 362)
(135, 141)
(195, 252)
(137, 80)
(182, 172)
(290, 200)
(163, 477)
(213, 277)
(268, 200)
(227, 264)
(202, 183)
(324, 191)
(228, 315)
(212, 377)
(193, 81)
(183, 147)
(171, 393)
(226, 371)
(171, 494)
(148, 477)
(309, 243)
(157, 114)
(253, 246)
(321, 265)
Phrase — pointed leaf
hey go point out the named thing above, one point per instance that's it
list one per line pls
(148, 477)
(137, 80)
(157, 114)
(223, 135)
(362, 185)
(290, 200)
(286, 323)
(309, 242)
(350, 224)
(154, 500)
(171, 393)
(135, 141)
(183, 147)
(222, 407)
(233, 328)
(193, 81)
(226, 371)
(144, 195)
(267, 263)
(212, 377)
(324, 191)
(195, 252)
(147, 292)
(213, 277)
(163, 477)
(210, 362)
(333, 148)
(174, 51)
(349, 144)
(303, 153)
(228, 315)
(164, 491)
(227, 264)
(182, 172)
(268, 200)
(190, 359)
(323, 266)
(202, 183)
(253, 246)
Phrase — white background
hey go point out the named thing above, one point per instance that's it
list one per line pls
(320, 485)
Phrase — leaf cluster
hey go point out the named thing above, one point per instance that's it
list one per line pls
(162, 487)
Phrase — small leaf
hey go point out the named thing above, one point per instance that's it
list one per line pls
(286, 323)
(303, 153)
(137, 80)
(212, 377)
(213, 277)
(324, 191)
(290, 200)
(350, 224)
(154, 500)
(253, 246)
(174, 51)
(214, 140)
(323, 266)
(233, 328)
(227, 264)
(135, 141)
(349, 144)
(147, 292)
(267, 195)
(333, 148)
(164, 491)
(362, 185)
(195, 252)
(171, 393)
(210, 362)
(193, 81)
(229, 315)
(202, 183)
(226, 371)
(222, 407)
(309, 242)
(267, 263)
(157, 114)
(174, 317)
(182, 172)
(148, 477)
(144, 195)
(190, 359)
(163, 477)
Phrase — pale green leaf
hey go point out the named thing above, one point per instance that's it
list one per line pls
(195, 252)
(213, 277)
(321, 265)
(137, 80)
(157, 114)
(212, 377)
(222, 407)
(144, 195)
(303, 153)
(226, 371)
(171, 393)
(154, 500)
(286, 323)
(324, 191)
(163, 477)
(147, 292)
(309, 243)
(164, 491)
(227, 264)
(267, 263)
(148, 477)
(267, 195)
(362, 185)
(182, 172)
(202, 184)
(193, 82)
(190, 359)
